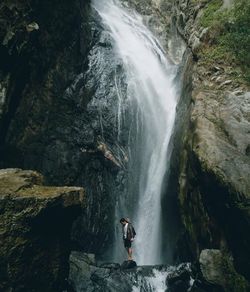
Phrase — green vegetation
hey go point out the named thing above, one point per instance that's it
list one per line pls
(210, 12)
(229, 37)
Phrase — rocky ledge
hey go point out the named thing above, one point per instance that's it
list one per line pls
(88, 275)
(213, 273)
(35, 225)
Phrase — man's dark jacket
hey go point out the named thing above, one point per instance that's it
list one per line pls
(130, 232)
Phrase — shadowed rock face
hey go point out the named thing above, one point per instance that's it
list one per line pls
(41, 49)
(44, 123)
(35, 225)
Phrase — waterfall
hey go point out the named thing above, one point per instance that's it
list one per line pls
(148, 95)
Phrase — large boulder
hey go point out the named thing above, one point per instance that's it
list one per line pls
(35, 225)
(217, 268)
(84, 272)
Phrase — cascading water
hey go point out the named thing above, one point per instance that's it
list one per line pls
(148, 94)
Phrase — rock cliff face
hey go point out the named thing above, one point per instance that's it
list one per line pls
(41, 50)
(45, 124)
(35, 226)
(214, 166)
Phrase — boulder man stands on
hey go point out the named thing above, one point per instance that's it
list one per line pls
(128, 236)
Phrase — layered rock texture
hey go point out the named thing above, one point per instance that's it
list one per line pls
(35, 225)
(43, 47)
(44, 121)
(214, 185)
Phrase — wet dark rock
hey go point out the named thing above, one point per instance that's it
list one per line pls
(35, 225)
(56, 113)
(178, 286)
(33, 41)
(178, 279)
(180, 274)
(84, 275)
(128, 265)
(89, 277)
(205, 288)
(112, 266)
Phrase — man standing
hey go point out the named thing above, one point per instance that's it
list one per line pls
(128, 236)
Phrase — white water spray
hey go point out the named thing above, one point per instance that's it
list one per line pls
(149, 77)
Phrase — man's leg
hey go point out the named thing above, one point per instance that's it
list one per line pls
(130, 253)
(128, 249)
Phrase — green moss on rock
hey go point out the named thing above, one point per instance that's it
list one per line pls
(209, 13)
(217, 268)
(35, 226)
